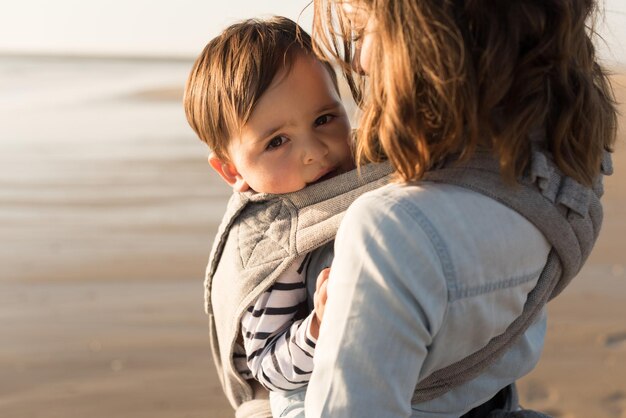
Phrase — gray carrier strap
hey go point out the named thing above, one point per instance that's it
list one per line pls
(566, 212)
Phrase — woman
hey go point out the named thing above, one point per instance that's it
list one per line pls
(439, 280)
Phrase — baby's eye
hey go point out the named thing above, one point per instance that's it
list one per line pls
(276, 142)
(323, 120)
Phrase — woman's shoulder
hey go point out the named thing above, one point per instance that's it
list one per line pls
(432, 208)
(459, 224)
(423, 195)
(445, 207)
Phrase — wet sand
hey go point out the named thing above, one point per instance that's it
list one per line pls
(107, 214)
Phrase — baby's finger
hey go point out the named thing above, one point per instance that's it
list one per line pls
(323, 276)
(323, 292)
(320, 297)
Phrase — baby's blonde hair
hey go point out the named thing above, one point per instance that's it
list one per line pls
(234, 70)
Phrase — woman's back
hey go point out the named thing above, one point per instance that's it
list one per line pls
(463, 260)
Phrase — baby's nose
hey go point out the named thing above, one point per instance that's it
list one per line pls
(315, 150)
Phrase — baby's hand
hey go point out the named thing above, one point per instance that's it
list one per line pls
(320, 296)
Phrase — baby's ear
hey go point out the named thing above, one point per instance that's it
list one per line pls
(229, 173)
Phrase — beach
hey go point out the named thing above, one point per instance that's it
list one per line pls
(108, 210)
(107, 214)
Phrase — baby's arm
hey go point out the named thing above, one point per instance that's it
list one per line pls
(279, 348)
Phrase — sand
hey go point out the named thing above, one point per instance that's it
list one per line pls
(107, 214)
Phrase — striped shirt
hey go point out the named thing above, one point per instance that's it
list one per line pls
(278, 347)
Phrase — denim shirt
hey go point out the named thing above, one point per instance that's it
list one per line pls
(424, 275)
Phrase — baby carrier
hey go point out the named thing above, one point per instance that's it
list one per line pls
(262, 234)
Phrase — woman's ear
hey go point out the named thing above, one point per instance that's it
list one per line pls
(229, 173)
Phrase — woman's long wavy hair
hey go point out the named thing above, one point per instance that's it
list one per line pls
(449, 76)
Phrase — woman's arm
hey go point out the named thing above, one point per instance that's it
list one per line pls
(386, 300)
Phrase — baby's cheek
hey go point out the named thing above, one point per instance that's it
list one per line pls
(287, 180)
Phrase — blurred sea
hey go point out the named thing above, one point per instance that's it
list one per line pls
(100, 175)
(107, 215)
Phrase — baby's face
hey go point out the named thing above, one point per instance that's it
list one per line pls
(298, 133)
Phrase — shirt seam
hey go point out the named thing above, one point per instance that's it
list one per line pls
(436, 241)
(470, 291)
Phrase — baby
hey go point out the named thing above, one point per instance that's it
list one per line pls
(271, 114)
